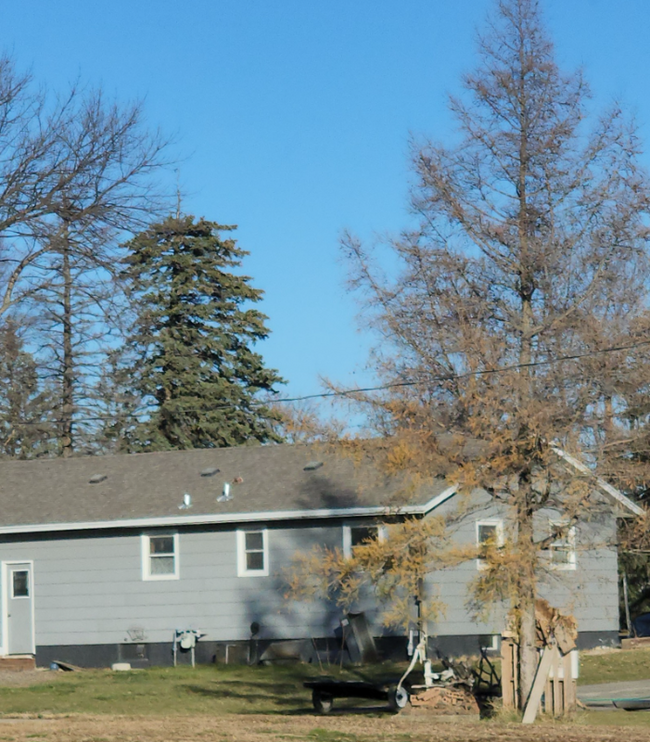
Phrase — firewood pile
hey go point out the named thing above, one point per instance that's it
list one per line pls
(457, 699)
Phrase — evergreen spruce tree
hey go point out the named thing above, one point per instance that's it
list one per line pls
(193, 340)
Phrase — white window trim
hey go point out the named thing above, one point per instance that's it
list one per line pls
(498, 522)
(242, 571)
(347, 535)
(571, 564)
(29, 584)
(493, 644)
(146, 557)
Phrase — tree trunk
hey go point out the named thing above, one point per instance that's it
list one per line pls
(526, 599)
(608, 418)
(9, 444)
(527, 650)
(67, 376)
(527, 659)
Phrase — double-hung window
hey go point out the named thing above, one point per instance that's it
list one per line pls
(562, 551)
(489, 534)
(160, 557)
(253, 553)
(359, 535)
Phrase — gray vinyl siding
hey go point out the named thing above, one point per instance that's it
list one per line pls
(90, 590)
(590, 592)
(452, 586)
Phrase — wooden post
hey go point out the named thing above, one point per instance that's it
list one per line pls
(554, 682)
(628, 621)
(570, 696)
(509, 678)
(548, 697)
(549, 658)
(557, 683)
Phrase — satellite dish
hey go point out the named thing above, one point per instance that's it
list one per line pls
(188, 640)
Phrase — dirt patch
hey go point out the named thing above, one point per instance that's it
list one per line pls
(23, 678)
(261, 728)
(595, 651)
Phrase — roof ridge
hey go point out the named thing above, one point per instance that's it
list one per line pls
(152, 454)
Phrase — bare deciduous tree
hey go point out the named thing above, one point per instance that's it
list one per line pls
(77, 175)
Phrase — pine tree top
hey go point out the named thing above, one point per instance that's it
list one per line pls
(194, 335)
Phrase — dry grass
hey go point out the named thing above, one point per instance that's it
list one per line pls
(306, 728)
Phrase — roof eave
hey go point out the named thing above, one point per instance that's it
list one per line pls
(601, 483)
(225, 519)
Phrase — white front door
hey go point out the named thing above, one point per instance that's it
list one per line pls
(19, 595)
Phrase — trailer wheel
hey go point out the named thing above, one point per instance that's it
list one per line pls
(323, 702)
(398, 698)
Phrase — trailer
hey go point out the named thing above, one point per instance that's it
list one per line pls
(454, 688)
(326, 690)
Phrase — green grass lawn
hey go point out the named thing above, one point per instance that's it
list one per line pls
(163, 691)
(614, 666)
(214, 689)
(610, 667)
(219, 689)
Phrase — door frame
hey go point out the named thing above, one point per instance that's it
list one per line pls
(5, 604)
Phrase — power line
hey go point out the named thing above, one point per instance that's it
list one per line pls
(368, 389)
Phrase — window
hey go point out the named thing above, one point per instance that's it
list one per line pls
(488, 533)
(562, 551)
(490, 643)
(357, 535)
(160, 557)
(20, 584)
(252, 553)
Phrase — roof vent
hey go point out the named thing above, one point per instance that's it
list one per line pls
(97, 478)
(210, 471)
(313, 465)
(187, 502)
(225, 495)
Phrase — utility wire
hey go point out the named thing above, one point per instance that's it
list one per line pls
(365, 390)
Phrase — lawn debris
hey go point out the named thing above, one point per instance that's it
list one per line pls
(66, 666)
(452, 700)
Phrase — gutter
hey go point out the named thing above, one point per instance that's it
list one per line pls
(210, 519)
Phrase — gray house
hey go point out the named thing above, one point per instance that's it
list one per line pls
(105, 558)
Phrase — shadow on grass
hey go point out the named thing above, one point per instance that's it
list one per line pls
(342, 711)
(283, 695)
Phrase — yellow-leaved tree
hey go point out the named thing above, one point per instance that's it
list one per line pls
(517, 315)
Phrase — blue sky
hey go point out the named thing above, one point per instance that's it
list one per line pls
(293, 119)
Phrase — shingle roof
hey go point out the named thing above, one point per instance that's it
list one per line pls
(152, 485)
